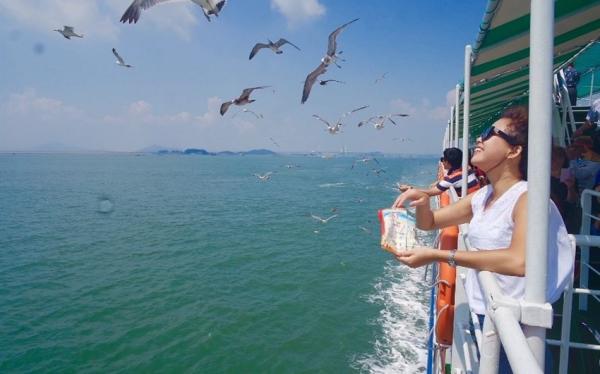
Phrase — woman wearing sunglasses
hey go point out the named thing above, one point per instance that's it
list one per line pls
(497, 217)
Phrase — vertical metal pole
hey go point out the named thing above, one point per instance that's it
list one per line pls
(592, 86)
(466, 111)
(456, 113)
(538, 196)
(452, 126)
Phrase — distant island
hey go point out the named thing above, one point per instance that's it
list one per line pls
(204, 152)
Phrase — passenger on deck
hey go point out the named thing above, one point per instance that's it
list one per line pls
(497, 217)
(563, 190)
(586, 163)
(452, 162)
(592, 118)
(572, 80)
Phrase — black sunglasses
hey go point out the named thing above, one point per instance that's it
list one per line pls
(491, 131)
(442, 159)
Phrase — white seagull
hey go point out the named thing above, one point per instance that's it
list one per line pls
(336, 127)
(246, 110)
(323, 220)
(382, 77)
(264, 177)
(132, 14)
(68, 32)
(275, 47)
(364, 161)
(379, 121)
(330, 58)
(120, 60)
(242, 100)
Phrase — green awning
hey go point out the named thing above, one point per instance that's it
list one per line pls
(500, 68)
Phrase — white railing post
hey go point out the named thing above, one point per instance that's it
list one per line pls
(586, 221)
(466, 111)
(538, 197)
(456, 114)
(452, 126)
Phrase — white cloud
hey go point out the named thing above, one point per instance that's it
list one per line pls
(298, 11)
(140, 112)
(29, 103)
(97, 19)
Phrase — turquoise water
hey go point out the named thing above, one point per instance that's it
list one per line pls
(190, 263)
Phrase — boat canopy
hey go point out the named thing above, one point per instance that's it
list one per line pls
(500, 64)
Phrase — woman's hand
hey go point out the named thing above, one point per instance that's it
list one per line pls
(416, 198)
(404, 187)
(413, 257)
(417, 257)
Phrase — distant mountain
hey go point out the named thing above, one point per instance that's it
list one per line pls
(259, 152)
(156, 149)
(195, 151)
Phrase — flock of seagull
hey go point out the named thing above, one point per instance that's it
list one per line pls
(212, 8)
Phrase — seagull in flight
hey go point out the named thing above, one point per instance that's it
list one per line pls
(377, 171)
(336, 127)
(132, 14)
(379, 121)
(246, 110)
(364, 161)
(242, 100)
(274, 142)
(323, 220)
(68, 32)
(330, 58)
(264, 177)
(120, 60)
(324, 82)
(382, 77)
(275, 47)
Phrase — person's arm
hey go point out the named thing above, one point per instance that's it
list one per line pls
(431, 191)
(508, 261)
(454, 214)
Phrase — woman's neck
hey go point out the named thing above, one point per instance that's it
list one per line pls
(501, 181)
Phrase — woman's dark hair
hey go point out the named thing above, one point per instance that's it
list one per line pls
(454, 158)
(517, 128)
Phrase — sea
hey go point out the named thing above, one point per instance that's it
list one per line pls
(179, 263)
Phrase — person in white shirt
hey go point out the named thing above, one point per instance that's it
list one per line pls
(497, 217)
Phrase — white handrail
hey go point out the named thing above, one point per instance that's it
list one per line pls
(586, 241)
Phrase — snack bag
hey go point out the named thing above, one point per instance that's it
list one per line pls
(398, 228)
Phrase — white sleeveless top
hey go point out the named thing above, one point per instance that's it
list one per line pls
(493, 228)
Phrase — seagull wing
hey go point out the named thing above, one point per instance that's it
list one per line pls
(322, 120)
(332, 46)
(132, 14)
(68, 29)
(254, 113)
(118, 57)
(282, 41)
(355, 110)
(374, 159)
(247, 91)
(391, 120)
(257, 48)
(310, 80)
(317, 218)
(333, 216)
(399, 115)
(224, 107)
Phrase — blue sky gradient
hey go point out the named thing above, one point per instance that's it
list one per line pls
(71, 93)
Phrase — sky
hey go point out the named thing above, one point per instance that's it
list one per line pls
(69, 94)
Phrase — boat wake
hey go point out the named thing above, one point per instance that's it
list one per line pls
(329, 185)
(401, 347)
